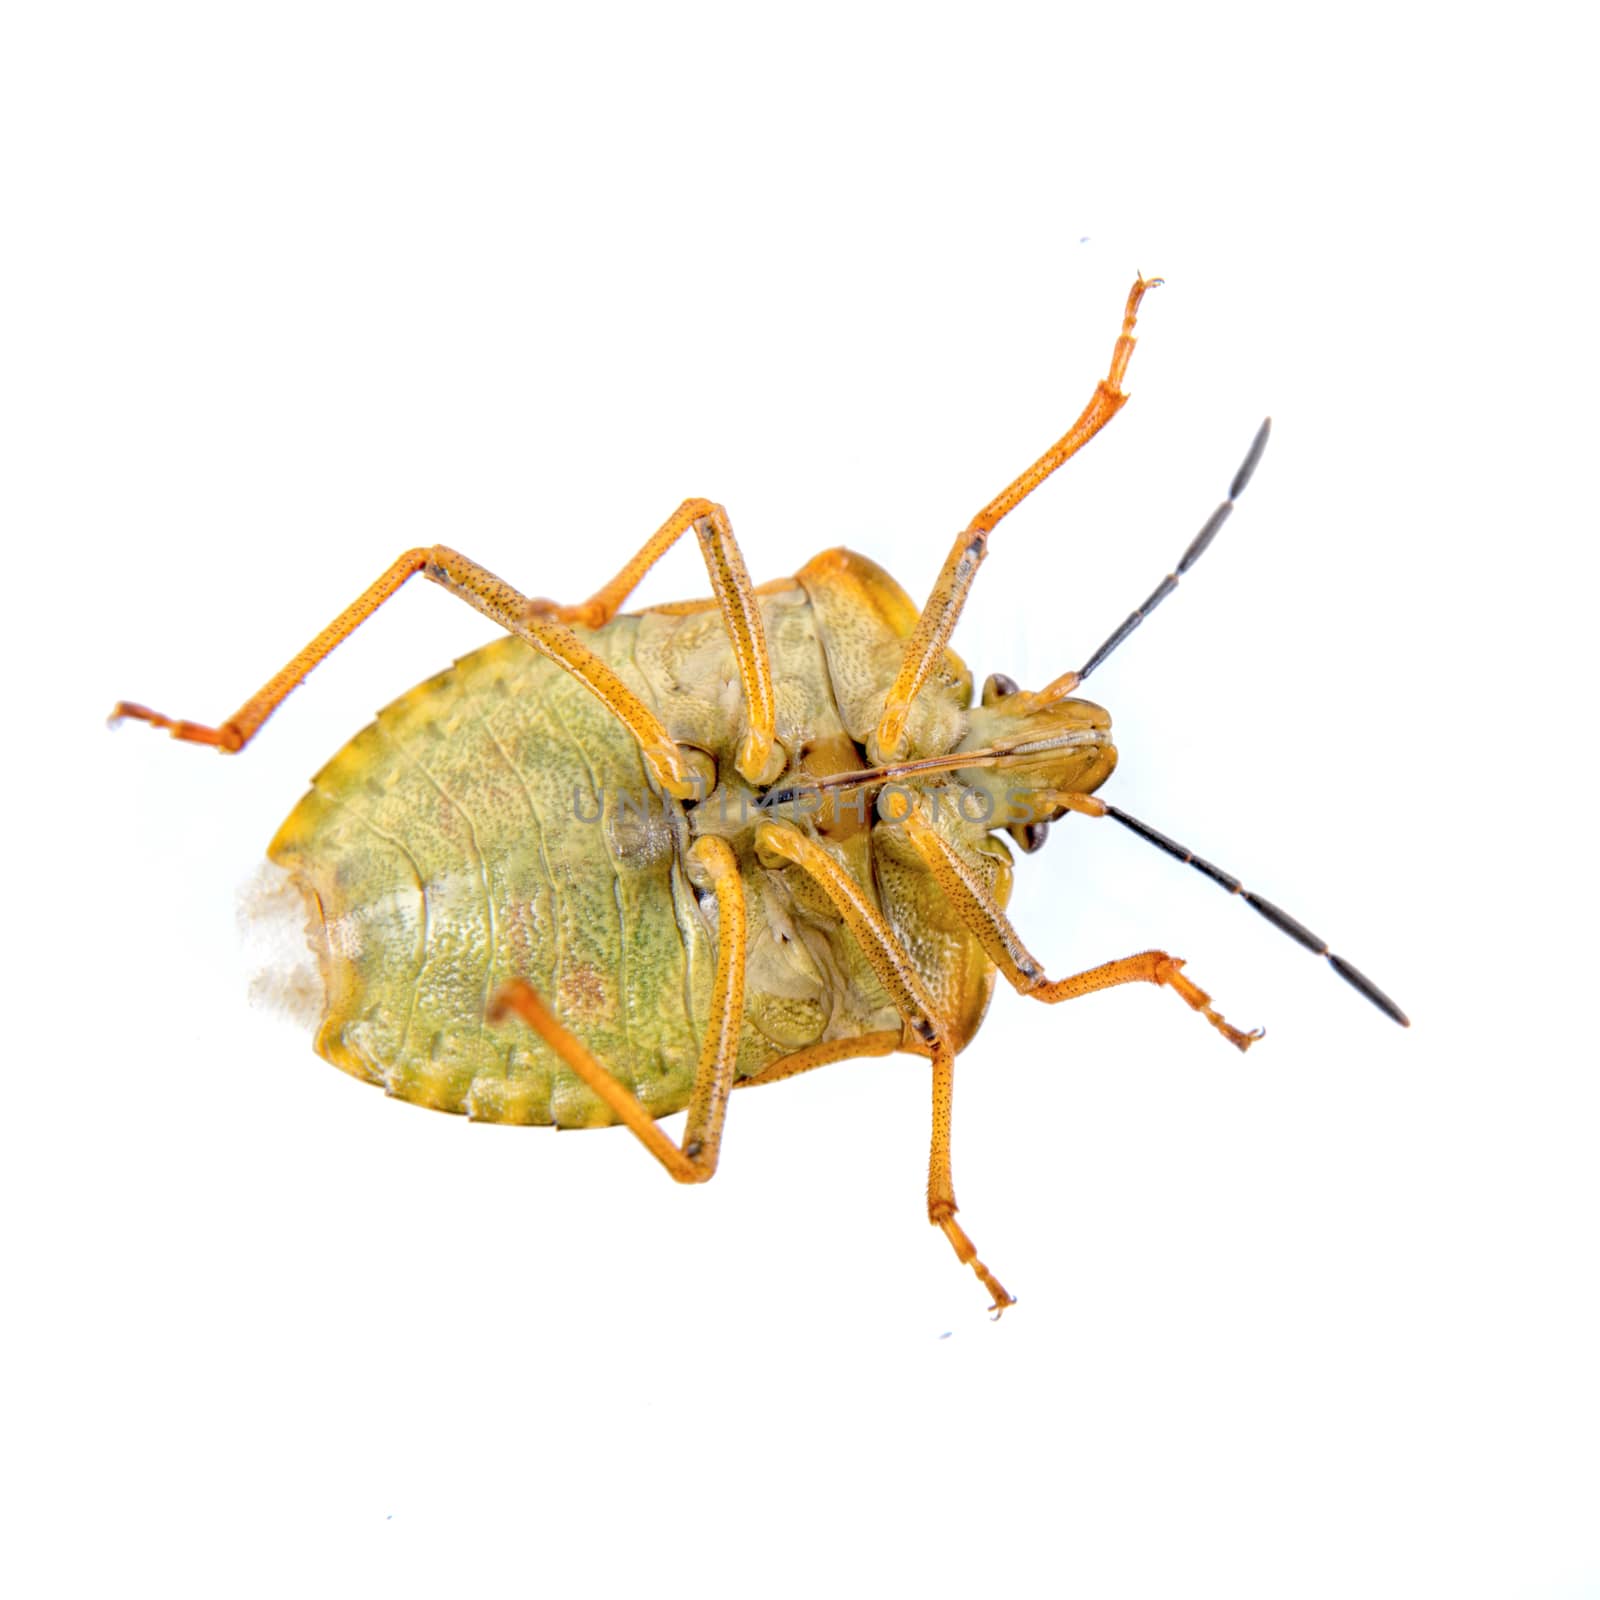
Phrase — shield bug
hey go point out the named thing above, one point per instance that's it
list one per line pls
(612, 865)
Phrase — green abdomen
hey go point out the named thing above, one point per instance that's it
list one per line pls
(447, 852)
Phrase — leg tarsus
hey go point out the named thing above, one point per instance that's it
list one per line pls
(1150, 966)
(1169, 971)
(942, 1215)
(226, 738)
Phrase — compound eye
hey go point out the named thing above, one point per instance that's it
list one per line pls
(1029, 836)
(997, 686)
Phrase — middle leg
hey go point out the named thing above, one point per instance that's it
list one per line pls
(779, 843)
(966, 891)
(484, 592)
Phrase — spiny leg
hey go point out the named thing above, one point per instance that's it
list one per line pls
(779, 843)
(759, 760)
(696, 1160)
(498, 601)
(961, 884)
(938, 619)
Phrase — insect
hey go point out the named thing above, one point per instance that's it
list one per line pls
(615, 865)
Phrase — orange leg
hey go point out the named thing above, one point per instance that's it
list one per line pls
(825, 1054)
(778, 843)
(963, 886)
(759, 761)
(696, 1160)
(938, 619)
(499, 602)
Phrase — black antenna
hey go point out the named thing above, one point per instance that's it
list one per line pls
(1279, 919)
(1197, 548)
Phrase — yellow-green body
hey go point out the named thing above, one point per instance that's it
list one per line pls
(497, 822)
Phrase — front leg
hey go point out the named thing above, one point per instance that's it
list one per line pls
(964, 888)
(938, 619)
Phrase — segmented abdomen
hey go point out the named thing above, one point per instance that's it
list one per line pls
(446, 849)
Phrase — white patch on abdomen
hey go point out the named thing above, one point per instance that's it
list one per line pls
(280, 929)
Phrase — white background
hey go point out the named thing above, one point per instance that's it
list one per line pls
(291, 288)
